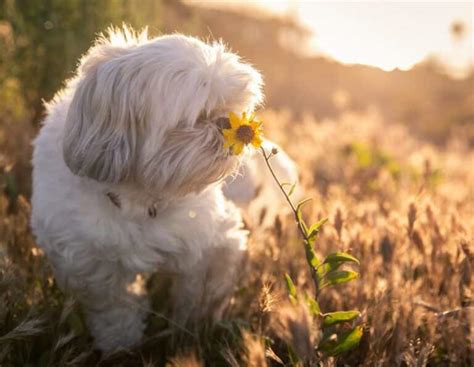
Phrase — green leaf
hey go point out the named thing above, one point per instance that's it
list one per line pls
(333, 261)
(314, 229)
(340, 257)
(313, 305)
(333, 318)
(291, 289)
(338, 277)
(299, 215)
(303, 202)
(311, 255)
(292, 189)
(344, 343)
(323, 269)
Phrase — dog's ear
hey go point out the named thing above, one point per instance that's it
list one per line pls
(100, 137)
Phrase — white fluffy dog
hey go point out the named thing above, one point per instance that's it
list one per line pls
(127, 179)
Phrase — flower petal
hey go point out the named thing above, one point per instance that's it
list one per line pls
(228, 133)
(234, 120)
(229, 137)
(237, 148)
(233, 140)
(256, 124)
(257, 141)
(246, 120)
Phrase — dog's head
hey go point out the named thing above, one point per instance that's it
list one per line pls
(146, 111)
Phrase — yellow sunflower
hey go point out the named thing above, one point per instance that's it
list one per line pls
(243, 131)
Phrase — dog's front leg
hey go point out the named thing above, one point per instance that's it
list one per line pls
(114, 315)
(202, 293)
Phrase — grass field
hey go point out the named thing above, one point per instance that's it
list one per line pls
(403, 207)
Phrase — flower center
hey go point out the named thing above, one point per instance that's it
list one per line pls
(245, 134)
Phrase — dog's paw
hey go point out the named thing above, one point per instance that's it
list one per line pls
(116, 329)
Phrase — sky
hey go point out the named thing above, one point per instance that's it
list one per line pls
(384, 34)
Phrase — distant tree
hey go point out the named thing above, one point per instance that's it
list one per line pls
(50, 35)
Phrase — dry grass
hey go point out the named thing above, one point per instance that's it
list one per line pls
(402, 206)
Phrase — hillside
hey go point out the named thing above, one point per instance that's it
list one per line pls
(428, 101)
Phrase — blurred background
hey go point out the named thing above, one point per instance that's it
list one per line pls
(373, 100)
(410, 62)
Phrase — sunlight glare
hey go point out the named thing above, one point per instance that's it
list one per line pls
(387, 35)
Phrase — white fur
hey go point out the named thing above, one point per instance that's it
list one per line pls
(138, 121)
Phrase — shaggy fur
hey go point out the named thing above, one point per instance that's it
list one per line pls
(127, 174)
(126, 179)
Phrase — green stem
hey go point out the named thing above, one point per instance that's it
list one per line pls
(307, 242)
